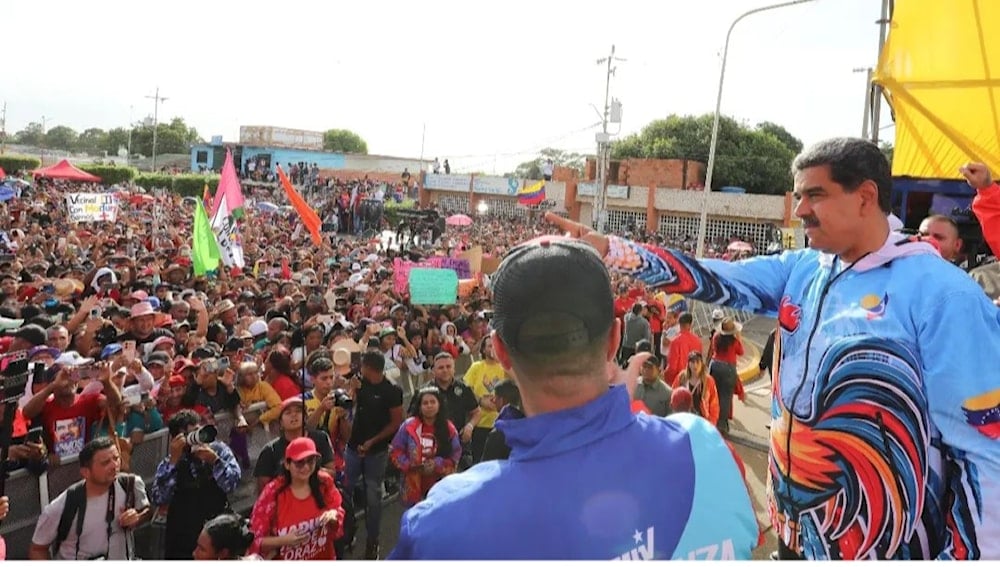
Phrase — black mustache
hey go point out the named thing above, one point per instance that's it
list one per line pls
(810, 222)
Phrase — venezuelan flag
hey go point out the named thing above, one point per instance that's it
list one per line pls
(532, 194)
(983, 413)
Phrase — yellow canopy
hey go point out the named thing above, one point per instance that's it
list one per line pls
(940, 68)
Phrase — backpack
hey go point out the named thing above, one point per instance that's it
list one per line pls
(76, 507)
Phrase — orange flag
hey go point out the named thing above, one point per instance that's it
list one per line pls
(309, 217)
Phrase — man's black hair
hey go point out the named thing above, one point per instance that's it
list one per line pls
(86, 457)
(852, 161)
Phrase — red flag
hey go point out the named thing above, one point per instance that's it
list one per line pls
(309, 217)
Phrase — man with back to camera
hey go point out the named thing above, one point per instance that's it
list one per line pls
(584, 479)
(884, 421)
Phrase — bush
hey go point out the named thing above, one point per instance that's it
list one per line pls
(110, 174)
(391, 209)
(194, 185)
(12, 164)
(154, 180)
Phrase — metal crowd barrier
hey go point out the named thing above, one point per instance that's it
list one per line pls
(30, 494)
(702, 313)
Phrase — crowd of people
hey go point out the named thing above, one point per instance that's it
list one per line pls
(564, 362)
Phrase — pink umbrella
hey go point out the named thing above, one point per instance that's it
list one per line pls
(458, 220)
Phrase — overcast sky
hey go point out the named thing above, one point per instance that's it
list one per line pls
(493, 81)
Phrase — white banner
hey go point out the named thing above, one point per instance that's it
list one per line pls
(496, 185)
(588, 189)
(92, 207)
(441, 182)
(224, 227)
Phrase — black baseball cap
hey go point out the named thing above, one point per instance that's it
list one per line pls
(551, 295)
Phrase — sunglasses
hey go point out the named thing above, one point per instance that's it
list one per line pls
(306, 462)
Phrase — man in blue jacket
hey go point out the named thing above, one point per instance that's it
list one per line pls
(586, 479)
(886, 406)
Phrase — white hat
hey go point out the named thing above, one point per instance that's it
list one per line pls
(258, 328)
(72, 358)
(737, 327)
(355, 267)
(371, 258)
(718, 315)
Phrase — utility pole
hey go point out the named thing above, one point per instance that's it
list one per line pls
(868, 99)
(883, 28)
(156, 116)
(604, 147)
(3, 127)
(41, 142)
(128, 158)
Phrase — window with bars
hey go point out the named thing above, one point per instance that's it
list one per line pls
(457, 203)
(760, 234)
(626, 221)
(503, 207)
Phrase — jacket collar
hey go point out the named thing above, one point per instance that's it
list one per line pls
(896, 245)
(553, 433)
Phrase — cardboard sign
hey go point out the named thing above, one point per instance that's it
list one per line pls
(433, 286)
(490, 265)
(459, 265)
(475, 257)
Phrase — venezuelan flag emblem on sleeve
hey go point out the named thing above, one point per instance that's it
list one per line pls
(531, 194)
(983, 413)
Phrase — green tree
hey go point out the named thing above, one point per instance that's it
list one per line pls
(757, 159)
(783, 136)
(174, 137)
(115, 139)
(533, 169)
(61, 138)
(887, 151)
(339, 140)
(93, 141)
(32, 135)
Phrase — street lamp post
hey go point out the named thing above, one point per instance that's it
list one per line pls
(710, 168)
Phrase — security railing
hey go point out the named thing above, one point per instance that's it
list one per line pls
(30, 494)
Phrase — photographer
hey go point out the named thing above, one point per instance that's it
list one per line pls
(328, 405)
(193, 481)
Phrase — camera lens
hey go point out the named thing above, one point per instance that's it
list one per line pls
(202, 436)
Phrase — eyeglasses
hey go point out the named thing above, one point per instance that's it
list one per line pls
(306, 462)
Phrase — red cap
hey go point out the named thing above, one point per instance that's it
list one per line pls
(177, 380)
(681, 399)
(301, 448)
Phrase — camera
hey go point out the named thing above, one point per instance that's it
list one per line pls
(202, 436)
(341, 399)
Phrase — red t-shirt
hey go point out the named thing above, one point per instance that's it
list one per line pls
(286, 387)
(68, 428)
(428, 450)
(302, 514)
(731, 355)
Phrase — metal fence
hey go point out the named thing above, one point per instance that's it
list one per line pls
(702, 313)
(29, 494)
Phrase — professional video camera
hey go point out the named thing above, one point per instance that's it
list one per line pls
(13, 383)
(202, 436)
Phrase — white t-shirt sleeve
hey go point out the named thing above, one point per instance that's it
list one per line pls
(48, 522)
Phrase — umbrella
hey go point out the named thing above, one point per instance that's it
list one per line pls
(267, 207)
(740, 246)
(458, 220)
(7, 193)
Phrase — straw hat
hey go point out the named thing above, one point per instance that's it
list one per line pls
(728, 326)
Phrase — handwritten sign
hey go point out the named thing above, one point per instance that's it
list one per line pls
(401, 272)
(475, 257)
(92, 207)
(433, 286)
(459, 265)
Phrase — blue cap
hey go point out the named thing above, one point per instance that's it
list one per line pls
(111, 350)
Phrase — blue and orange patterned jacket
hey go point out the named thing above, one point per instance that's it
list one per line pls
(885, 432)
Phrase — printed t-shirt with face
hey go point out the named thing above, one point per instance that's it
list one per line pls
(428, 450)
(483, 377)
(94, 538)
(68, 428)
(303, 515)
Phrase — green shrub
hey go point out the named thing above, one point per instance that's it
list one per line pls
(11, 163)
(391, 209)
(194, 185)
(154, 180)
(110, 174)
